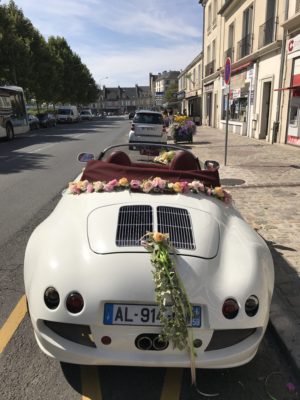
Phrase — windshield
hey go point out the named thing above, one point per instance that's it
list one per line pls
(147, 118)
(64, 111)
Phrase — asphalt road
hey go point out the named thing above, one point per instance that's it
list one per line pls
(34, 169)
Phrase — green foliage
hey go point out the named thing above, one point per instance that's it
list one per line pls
(170, 94)
(170, 293)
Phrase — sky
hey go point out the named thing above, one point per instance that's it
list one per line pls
(122, 41)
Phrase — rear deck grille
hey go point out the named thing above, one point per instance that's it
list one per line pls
(177, 223)
(133, 223)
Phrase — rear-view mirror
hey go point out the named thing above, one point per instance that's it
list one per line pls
(85, 157)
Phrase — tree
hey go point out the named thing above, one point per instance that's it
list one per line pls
(15, 35)
(48, 71)
(77, 83)
(171, 93)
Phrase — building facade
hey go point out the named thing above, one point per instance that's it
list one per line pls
(262, 94)
(190, 90)
(120, 100)
(159, 86)
(289, 88)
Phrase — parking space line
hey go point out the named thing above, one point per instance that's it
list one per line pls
(90, 383)
(12, 323)
(172, 384)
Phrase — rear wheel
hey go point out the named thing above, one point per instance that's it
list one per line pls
(9, 132)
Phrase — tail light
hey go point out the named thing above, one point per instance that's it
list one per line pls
(230, 308)
(251, 306)
(74, 302)
(132, 127)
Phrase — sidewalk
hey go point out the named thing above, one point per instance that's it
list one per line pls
(264, 181)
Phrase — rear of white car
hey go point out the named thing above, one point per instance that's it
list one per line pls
(148, 126)
(86, 115)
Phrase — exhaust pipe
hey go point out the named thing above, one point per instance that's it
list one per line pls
(150, 341)
(159, 344)
(143, 342)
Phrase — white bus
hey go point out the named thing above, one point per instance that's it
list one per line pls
(13, 114)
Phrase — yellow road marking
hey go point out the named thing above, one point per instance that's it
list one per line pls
(12, 323)
(172, 384)
(90, 384)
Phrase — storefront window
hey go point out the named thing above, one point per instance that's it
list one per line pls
(237, 107)
(293, 135)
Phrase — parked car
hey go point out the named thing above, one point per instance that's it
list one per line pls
(93, 291)
(148, 126)
(68, 114)
(47, 120)
(86, 115)
(34, 122)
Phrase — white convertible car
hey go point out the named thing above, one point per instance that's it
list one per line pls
(89, 279)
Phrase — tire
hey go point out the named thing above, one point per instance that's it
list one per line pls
(9, 132)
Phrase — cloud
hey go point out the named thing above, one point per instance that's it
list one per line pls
(122, 39)
(136, 66)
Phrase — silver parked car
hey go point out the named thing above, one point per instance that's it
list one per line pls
(148, 126)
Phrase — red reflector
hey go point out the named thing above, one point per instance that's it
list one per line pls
(74, 302)
(230, 308)
(106, 340)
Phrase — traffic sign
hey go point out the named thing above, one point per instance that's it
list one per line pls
(227, 72)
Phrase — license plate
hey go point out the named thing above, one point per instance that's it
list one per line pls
(147, 129)
(141, 314)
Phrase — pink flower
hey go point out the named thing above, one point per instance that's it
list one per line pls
(291, 387)
(113, 183)
(159, 183)
(227, 197)
(147, 186)
(135, 184)
(197, 185)
(73, 188)
(108, 187)
(184, 187)
(89, 188)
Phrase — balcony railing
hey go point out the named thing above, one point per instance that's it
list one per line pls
(229, 53)
(267, 32)
(245, 46)
(210, 68)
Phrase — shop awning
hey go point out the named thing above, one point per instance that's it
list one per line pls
(295, 84)
(288, 88)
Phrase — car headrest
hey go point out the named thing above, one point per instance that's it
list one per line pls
(119, 157)
(184, 161)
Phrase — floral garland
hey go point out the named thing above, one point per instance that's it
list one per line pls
(169, 290)
(156, 185)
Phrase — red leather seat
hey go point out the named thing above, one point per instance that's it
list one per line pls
(184, 161)
(119, 157)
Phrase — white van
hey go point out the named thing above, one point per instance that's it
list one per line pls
(67, 114)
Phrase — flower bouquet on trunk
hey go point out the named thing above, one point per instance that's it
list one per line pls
(182, 129)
